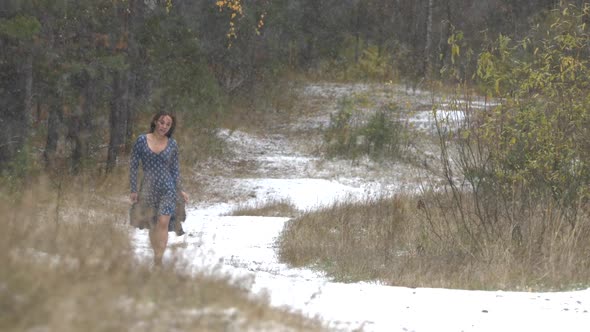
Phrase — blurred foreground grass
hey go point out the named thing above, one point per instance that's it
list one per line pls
(67, 264)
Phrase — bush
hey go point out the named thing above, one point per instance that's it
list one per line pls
(353, 133)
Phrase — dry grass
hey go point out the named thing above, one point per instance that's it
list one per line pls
(410, 241)
(350, 240)
(68, 265)
(274, 208)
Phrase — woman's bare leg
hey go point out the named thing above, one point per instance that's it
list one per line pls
(159, 238)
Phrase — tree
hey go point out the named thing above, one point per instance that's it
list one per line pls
(83, 71)
(17, 40)
(537, 140)
(427, 66)
(123, 85)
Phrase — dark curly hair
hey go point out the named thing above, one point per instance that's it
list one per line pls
(157, 117)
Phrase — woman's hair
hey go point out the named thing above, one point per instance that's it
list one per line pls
(157, 117)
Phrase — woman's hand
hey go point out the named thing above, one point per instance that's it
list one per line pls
(184, 196)
(133, 198)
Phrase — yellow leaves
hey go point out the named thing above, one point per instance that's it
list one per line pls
(234, 5)
(466, 134)
(454, 40)
(567, 68)
(540, 132)
(236, 8)
(260, 23)
(512, 141)
(455, 52)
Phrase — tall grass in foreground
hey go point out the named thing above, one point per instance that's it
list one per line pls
(67, 264)
(410, 241)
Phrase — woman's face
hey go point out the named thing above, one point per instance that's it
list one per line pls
(163, 125)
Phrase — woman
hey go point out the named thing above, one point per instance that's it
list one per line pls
(158, 153)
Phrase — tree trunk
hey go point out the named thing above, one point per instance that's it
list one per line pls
(53, 149)
(445, 34)
(118, 118)
(130, 115)
(126, 85)
(357, 33)
(427, 66)
(27, 72)
(136, 58)
(15, 101)
(81, 125)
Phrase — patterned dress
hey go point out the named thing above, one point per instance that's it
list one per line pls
(160, 175)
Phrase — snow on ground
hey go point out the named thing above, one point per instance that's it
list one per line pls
(244, 247)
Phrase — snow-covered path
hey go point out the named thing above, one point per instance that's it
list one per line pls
(245, 247)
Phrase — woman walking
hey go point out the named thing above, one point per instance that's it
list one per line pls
(158, 153)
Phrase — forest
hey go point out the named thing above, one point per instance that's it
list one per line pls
(501, 203)
(77, 75)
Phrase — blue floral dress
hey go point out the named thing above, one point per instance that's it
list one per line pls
(161, 175)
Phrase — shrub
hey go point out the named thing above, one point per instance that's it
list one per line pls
(353, 133)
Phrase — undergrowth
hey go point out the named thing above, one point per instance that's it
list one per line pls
(360, 129)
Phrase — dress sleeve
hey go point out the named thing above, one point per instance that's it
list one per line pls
(175, 167)
(134, 165)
